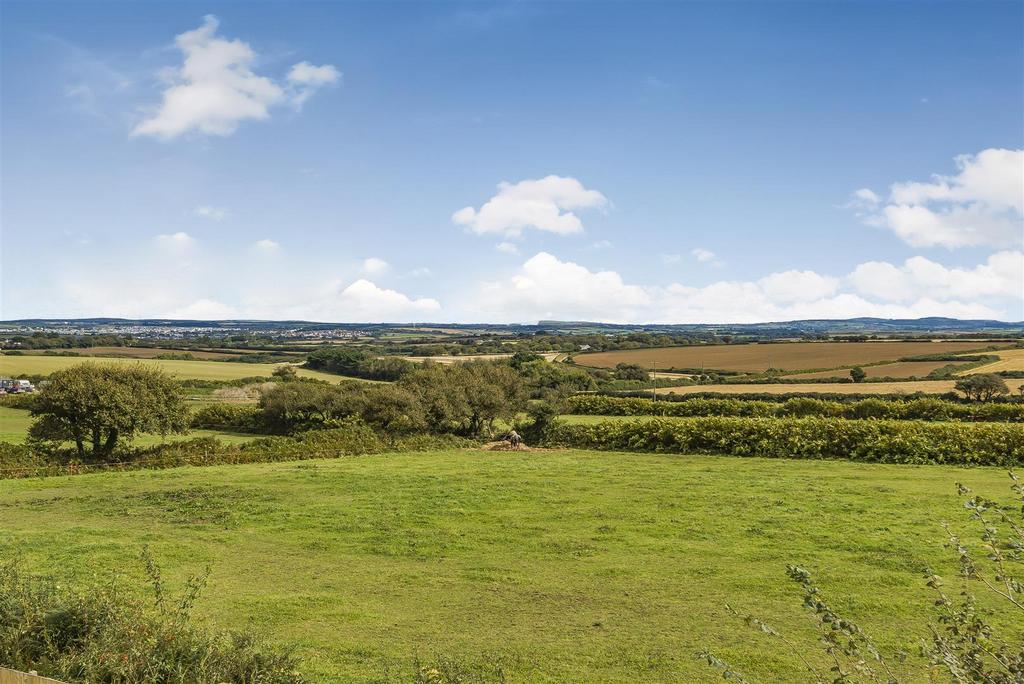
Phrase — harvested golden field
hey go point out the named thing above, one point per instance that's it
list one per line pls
(139, 352)
(785, 356)
(1009, 360)
(15, 366)
(550, 356)
(901, 369)
(927, 386)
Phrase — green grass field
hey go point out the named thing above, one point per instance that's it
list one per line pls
(15, 366)
(14, 427)
(554, 565)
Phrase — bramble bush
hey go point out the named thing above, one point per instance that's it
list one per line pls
(103, 633)
(914, 409)
(881, 441)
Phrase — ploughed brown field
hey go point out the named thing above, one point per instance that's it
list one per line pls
(900, 369)
(785, 356)
(910, 387)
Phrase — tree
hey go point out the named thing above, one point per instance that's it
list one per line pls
(857, 374)
(631, 371)
(982, 387)
(103, 404)
(285, 372)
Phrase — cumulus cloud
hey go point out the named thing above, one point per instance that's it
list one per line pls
(374, 266)
(215, 88)
(1002, 275)
(982, 205)
(544, 204)
(211, 213)
(546, 287)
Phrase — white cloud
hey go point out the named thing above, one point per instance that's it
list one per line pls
(374, 266)
(507, 247)
(175, 241)
(982, 205)
(1002, 275)
(212, 213)
(266, 245)
(215, 88)
(548, 288)
(307, 79)
(703, 255)
(203, 310)
(363, 301)
(544, 204)
(797, 286)
(671, 258)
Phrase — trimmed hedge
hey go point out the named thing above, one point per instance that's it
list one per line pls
(916, 409)
(881, 441)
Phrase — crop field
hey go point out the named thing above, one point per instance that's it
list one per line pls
(139, 352)
(909, 387)
(550, 565)
(197, 370)
(1009, 360)
(900, 369)
(14, 424)
(785, 356)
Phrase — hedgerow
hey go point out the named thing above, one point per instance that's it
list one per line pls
(916, 409)
(882, 441)
(347, 437)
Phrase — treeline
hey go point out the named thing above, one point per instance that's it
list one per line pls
(928, 409)
(881, 441)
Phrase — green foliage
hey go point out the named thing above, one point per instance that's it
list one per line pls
(466, 398)
(631, 371)
(883, 441)
(554, 380)
(101, 404)
(982, 386)
(103, 633)
(225, 416)
(358, 363)
(285, 373)
(929, 409)
(858, 374)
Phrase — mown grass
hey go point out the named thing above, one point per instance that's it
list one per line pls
(14, 424)
(547, 565)
(15, 366)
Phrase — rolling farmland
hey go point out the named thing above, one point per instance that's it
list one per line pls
(926, 386)
(1009, 360)
(185, 370)
(142, 352)
(786, 356)
(900, 369)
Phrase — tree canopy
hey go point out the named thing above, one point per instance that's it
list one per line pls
(100, 405)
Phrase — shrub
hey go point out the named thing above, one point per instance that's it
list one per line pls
(923, 408)
(102, 633)
(234, 417)
(882, 441)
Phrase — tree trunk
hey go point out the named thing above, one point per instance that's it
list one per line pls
(97, 442)
(108, 448)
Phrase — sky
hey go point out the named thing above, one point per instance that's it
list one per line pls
(685, 162)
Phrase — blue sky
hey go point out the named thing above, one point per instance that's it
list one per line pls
(669, 162)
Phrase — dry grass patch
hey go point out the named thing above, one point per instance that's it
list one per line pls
(901, 369)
